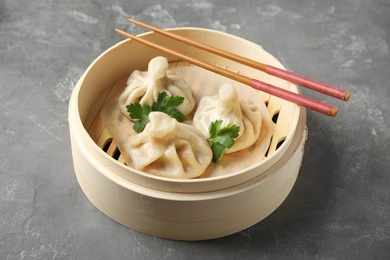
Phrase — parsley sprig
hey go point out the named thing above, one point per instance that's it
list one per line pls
(222, 139)
(164, 103)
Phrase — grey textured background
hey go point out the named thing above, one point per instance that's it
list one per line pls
(339, 207)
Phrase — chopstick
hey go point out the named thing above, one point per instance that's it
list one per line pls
(271, 70)
(298, 99)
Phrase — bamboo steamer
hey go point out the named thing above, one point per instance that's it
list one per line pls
(194, 209)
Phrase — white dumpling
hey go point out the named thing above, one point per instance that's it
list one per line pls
(169, 148)
(229, 108)
(145, 86)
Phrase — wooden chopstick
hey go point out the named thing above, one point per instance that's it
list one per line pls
(300, 100)
(271, 70)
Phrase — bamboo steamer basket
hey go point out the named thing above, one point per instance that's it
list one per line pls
(194, 209)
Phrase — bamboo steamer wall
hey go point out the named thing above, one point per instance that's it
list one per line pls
(195, 209)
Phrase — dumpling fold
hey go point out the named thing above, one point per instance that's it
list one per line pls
(228, 107)
(145, 86)
(169, 148)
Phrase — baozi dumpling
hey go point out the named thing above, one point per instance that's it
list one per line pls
(145, 86)
(227, 107)
(169, 148)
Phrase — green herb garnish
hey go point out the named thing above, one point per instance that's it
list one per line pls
(222, 139)
(164, 103)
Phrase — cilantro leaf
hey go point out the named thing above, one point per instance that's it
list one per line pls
(222, 139)
(137, 111)
(168, 104)
(164, 103)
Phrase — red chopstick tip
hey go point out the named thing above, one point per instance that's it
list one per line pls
(347, 95)
(333, 111)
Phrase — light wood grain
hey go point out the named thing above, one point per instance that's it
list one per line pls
(195, 209)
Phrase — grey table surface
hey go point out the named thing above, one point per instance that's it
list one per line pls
(339, 207)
